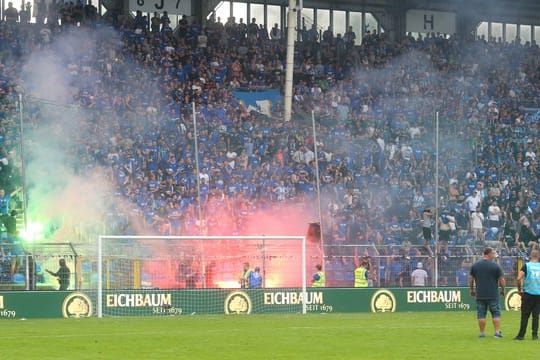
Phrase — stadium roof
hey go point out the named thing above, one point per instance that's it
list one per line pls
(486, 4)
(514, 11)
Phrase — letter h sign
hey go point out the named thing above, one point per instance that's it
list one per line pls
(428, 21)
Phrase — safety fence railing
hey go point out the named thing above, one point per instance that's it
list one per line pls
(404, 266)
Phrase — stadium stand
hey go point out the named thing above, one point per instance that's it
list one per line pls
(378, 98)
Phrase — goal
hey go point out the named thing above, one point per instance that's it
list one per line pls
(185, 275)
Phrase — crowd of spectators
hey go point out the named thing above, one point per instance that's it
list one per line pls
(375, 106)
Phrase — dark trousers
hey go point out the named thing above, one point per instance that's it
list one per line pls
(530, 304)
(63, 286)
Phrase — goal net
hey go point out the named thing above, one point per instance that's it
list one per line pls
(179, 275)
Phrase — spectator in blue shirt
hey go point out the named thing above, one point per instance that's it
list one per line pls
(462, 274)
(255, 278)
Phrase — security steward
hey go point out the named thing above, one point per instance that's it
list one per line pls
(361, 275)
(319, 279)
(528, 284)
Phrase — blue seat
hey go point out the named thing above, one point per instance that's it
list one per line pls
(339, 276)
(5, 278)
(18, 279)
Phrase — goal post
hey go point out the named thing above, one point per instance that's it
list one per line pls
(174, 275)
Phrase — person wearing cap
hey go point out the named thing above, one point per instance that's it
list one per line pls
(255, 278)
(419, 276)
(485, 277)
(319, 279)
(528, 284)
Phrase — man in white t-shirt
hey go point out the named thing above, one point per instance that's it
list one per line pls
(309, 156)
(494, 214)
(530, 154)
(473, 201)
(477, 219)
(419, 276)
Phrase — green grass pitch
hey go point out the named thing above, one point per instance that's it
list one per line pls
(314, 336)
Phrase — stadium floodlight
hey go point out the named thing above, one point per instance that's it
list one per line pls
(140, 275)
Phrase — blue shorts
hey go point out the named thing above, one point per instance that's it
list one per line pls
(482, 307)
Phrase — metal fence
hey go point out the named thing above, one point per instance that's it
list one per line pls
(393, 266)
(389, 266)
(24, 266)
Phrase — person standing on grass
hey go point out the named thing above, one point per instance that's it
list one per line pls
(528, 284)
(485, 277)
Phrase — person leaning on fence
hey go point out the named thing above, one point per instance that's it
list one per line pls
(318, 279)
(528, 284)
(462, 274)
(363, 273)
(255, 278)
(244, 279)
(63, 275)
(404, 277)
(485, 277)
(419, 276)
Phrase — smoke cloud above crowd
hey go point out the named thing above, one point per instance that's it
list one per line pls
(60, 134)
(61, 195)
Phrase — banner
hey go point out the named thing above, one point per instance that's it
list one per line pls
(45, 304)
(261, 101)
(57, 304)
(532, 115)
